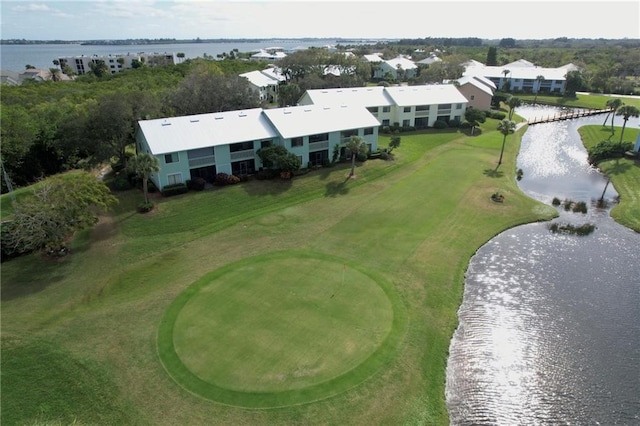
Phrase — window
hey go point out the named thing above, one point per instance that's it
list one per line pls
(458, 106)
(422, 108)
(407, 109)
(373, 110)
(174, 179)
(240, 146)
(321, 137)
(265, 144)
(406, 123)
(386, 109)
(368, 131)
(171, 158)
(348, 133)
(296, 142)
(472, 97)
(385, 122)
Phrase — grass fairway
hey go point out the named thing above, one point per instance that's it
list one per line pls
(410, 226)
(279, 330)
(624, 173)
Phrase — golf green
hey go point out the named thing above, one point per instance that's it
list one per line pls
(278, 330)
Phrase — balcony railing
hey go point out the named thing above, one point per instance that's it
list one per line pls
(243, 155)
(202, 161)
(422, 113)
(315, 146)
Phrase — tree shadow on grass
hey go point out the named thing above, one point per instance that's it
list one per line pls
(259, 188)
(34, 275)
(335, 188)
(493, 173)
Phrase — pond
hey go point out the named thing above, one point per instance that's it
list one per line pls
(549, 327)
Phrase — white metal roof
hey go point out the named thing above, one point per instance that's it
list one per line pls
(357, 96)
(313, 119)
(431, 94)
(374, 57)
(486, 81)
(199, 131)
(260, 79)
(520, 69)
(274, 72)
(405, 63)
(473, 81)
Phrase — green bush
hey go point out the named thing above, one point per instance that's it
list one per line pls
(120, 183)
(497, 115)
(145, 206)
(608, 149)
(440, 124)
(178, 188)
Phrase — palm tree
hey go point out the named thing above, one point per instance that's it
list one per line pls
(539, 80)
(613, 104)
(505, 72)
(357, 146)
(627, 111)
(513, 103)
(143, 165)
(505, 127)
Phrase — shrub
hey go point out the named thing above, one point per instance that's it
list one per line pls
(196, 184)
(455, 123)
(556, 201)
(608, 149)
(465, 125)
(120, 183)
(221, 179)
(386, 129)
(233, 179)
(145, 207)
(498, 115)
(440, 124)
(176, 189)
(580, 207)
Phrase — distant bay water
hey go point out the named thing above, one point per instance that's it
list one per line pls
(14, 57)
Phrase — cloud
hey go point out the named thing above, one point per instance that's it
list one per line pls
(32, 7)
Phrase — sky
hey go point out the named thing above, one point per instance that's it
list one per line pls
(189, 19)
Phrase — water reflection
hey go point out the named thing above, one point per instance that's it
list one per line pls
(550, 323)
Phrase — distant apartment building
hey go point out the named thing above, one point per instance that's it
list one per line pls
(116, 63)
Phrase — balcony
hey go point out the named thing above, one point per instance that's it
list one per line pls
(248, 154)
(316, 146)
(422, 113)
(202, 161)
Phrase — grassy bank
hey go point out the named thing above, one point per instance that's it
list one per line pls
(593, 101)
(623, 172)
(413, 222)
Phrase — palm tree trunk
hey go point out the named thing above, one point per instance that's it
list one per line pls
(504, 139)
(613, 117)
(622, 132)
(145, 189)
(353, 164)
(605, 119)
(605, 190)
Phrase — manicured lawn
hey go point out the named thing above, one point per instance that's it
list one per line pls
(624, 174)
(410, 226)
(593, 101)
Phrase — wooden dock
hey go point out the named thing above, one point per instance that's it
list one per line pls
(569, 115)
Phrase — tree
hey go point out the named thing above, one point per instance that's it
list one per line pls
(99, 68)
(513, 103)
(56, 62)
(507, 42)
(574, 81)
(55, 74)
(29, 67)
(357, 146)
(627, 111)
(277, 157)
(506, 127)
(110, 127)
(506, 83)
(492, 56)
(475, 116)
(288, 94)
(613, 104)
(58, 207)
(394, 143)
(207, 90)
(180, 56)
(143, 165)
(539, 80)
